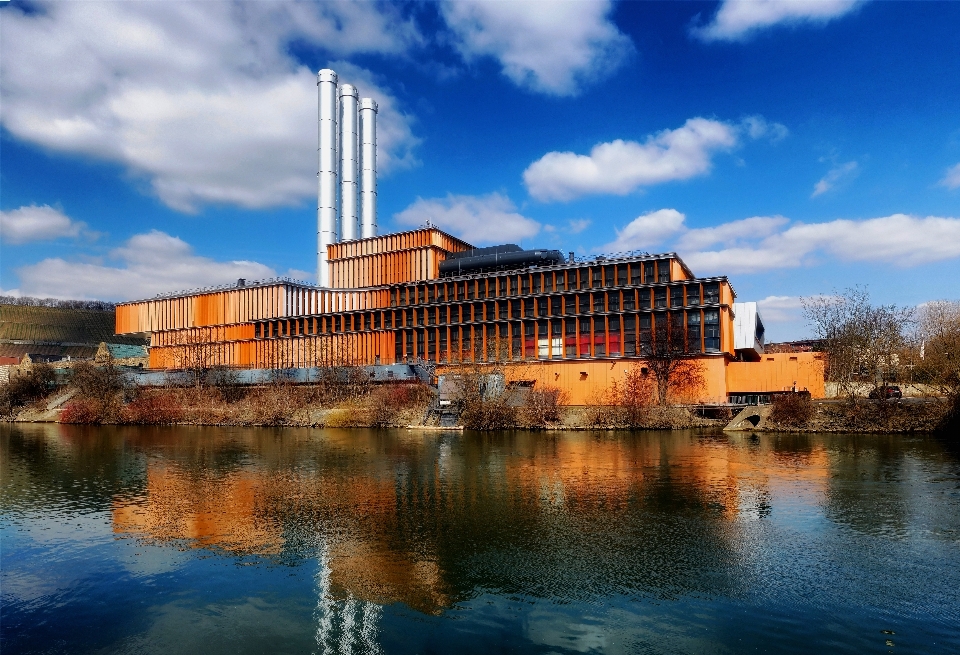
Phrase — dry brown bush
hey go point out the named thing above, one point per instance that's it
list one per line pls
(542, 407)
(633, 397)
(480, 414)
(26, 387)
(86, 410)
(153, 408)
(792, 409)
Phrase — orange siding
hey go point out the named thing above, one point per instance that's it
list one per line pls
(778, 372)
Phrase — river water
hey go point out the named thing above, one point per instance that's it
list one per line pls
(210, 540)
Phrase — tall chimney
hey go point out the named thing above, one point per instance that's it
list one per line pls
(368, 168)
(349, 164)
(327, 232)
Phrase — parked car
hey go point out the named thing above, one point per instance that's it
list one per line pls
(885, 392)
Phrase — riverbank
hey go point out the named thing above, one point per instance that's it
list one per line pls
(409, 406)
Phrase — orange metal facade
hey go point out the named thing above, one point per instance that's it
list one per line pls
(576, 324)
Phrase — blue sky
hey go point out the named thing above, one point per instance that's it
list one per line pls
(797, 147)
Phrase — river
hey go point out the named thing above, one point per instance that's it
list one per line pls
(228, 540)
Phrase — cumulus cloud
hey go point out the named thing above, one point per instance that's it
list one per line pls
(554, 49)
(201, 99)
(736, 20)
(781, 309)
(619, 167)
(835, 176)
(647, 230)
(952, 179)
(901, 240)
(37, 223)
(147, 264)
(476, 219)
(731, 232)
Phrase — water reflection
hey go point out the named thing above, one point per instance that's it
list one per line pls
(596, 539)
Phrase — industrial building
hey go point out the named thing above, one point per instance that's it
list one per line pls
(426, 296)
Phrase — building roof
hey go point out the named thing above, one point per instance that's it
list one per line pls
(75, 333)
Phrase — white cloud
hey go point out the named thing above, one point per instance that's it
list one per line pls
(202, 99)
(757, 127)
(578, 225)
(554, 48)
(476, 219)
(37, 223)
(619, 167)
(900, 240)
(952, 179)
(147, 264)
(647, 230)
(730, 233)
(739, 19)
(836, 175)
(781, 309)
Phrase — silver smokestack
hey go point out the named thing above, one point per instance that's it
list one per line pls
(368, 168)
(327, 232)
(349, 164)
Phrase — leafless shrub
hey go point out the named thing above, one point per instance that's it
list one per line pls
(542, 407)
(495, 414)
(385, 405)
(600, 410)
(633, 396)
(155, 407)
(100, 382)
(90, 411)
(26, 387)
(792, 409)
(227, 382)
(937, 343)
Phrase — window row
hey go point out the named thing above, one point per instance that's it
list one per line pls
(519, 284)
(664, 334)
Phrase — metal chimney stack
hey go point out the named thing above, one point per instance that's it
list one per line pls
(368, 168)
(349, 164)
(327, 231)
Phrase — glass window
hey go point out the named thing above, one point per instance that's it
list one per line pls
(481, 289)
(629, 299)
(504, 309)
(491, 311)
(377, 317)
(398, 346)
(645, 331)
(676, 296)
(556, 306)
(629, 335)
(513, 284)
(256, 330)
(571, 304)
(388, 320)
(461, 291)
(609, 276)
(648, 273)
(660, 298)
(543, 340)
(528, 307)
(471, 289)
(524, 284)
(516, 341)
(693, 331)
(599, 337)
(643, 296)
(711, 293)
(393, 297)
(561, 281)
(537, 277)
(613, 301)
(693, 294)
(529, 340)
(570, 338)
(419, 316)
(584, 303)
(585, 345)
(584, 278)
(432, 316)
(613, 336)
(597, 277)
(421, 294)
(622, 275)
(502, 283)
(336, 323)
(663, 270)
(515, 307)
(711, 331)
(542, 307)
(635, 274)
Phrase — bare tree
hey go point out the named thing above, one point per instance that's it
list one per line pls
(668, 359)
(938, 345)
(195, 351)
(863, 342)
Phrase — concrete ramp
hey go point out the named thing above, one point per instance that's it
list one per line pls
(750, 418)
